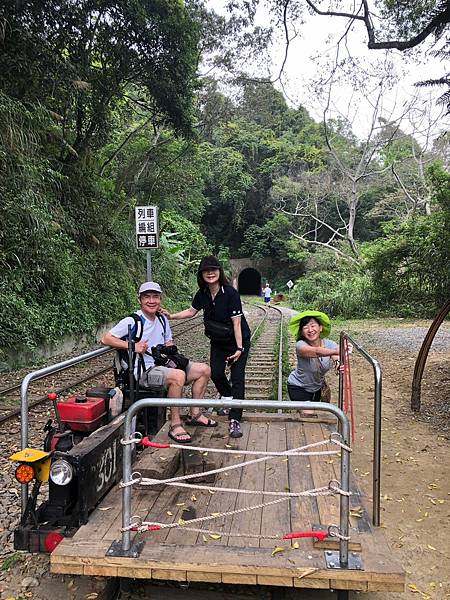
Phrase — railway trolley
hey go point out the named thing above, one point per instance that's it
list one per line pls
(277, 507)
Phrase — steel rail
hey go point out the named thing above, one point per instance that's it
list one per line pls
(16, 386)
(42, 399)
(376, 450)
(249, 404)
(280, 359)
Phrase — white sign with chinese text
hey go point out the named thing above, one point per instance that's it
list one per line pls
(147, 231)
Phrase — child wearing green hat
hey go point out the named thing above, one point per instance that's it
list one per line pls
(315, 355)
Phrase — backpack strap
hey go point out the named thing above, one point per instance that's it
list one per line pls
(136, 335)
(162, 320)
(138, 327)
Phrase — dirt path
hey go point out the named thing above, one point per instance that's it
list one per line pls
(415, 505)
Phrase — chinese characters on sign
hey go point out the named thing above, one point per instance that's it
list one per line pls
(147, 234)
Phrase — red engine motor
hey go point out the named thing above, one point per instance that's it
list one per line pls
(77, 417)
(82, 413)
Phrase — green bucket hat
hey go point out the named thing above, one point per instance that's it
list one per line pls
(323, 319)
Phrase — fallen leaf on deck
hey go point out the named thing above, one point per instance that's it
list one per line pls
(215, 536)
(194, 498)
(169, 513)
(305, 573)
(215, 514)
(277, 550)
(205, 539)
(431, 547)
(211, 491)
(295, 545)
(181, 503)
(105, 508)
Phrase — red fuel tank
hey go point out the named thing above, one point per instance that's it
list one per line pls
(82, 414)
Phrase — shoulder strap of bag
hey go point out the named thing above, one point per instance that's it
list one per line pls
(163, 322)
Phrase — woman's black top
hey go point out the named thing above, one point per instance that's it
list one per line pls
(225, 305)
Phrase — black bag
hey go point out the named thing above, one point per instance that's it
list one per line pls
(168, 356)
(217, 331)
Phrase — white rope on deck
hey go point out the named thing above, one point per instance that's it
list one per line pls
(333, 488)
(138, 479)
(143, 525)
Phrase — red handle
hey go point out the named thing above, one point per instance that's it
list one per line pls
(52, 396)
(149, 444)
(320, 535)
(149, 528)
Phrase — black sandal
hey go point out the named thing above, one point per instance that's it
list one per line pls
(176, 437)
(193, 420)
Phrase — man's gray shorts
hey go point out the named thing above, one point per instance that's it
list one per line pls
(155, 378)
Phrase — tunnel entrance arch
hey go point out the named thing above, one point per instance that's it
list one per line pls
(249, 282)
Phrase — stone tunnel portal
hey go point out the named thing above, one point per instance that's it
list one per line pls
(249, 282)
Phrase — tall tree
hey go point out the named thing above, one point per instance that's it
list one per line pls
(81, 59)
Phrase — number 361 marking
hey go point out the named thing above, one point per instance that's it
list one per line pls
(107, 466)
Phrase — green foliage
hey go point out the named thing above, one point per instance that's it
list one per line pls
(339, 295)
(80, 58)
(409, 266)
(273, 239)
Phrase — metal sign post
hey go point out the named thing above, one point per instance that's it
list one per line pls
(147, 232)
(290, 285)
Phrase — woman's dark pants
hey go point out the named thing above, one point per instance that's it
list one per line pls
(218, 361)
(299, 394)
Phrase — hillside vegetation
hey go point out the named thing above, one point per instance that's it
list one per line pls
(103, 109)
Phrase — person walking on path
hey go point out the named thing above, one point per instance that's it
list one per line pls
(267, 293)
(228, 330)
(156, 332)
(315, 355)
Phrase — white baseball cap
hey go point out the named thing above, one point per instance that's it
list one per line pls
(150, 286)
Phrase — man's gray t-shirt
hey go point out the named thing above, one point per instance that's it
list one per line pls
(310, 372)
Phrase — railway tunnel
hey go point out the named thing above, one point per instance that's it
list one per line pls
(249, 282)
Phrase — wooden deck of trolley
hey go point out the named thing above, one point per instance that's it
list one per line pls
(177, 554)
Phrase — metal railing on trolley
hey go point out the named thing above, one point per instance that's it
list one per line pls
(376, 450)
(124, 546)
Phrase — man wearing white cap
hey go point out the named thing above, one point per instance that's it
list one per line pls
(156, 330)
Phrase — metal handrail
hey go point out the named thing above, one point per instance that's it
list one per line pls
(376, 469)
(75, 360)
(250, 404)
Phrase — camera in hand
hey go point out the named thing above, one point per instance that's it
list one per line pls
(168, 356)
(161, 353)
